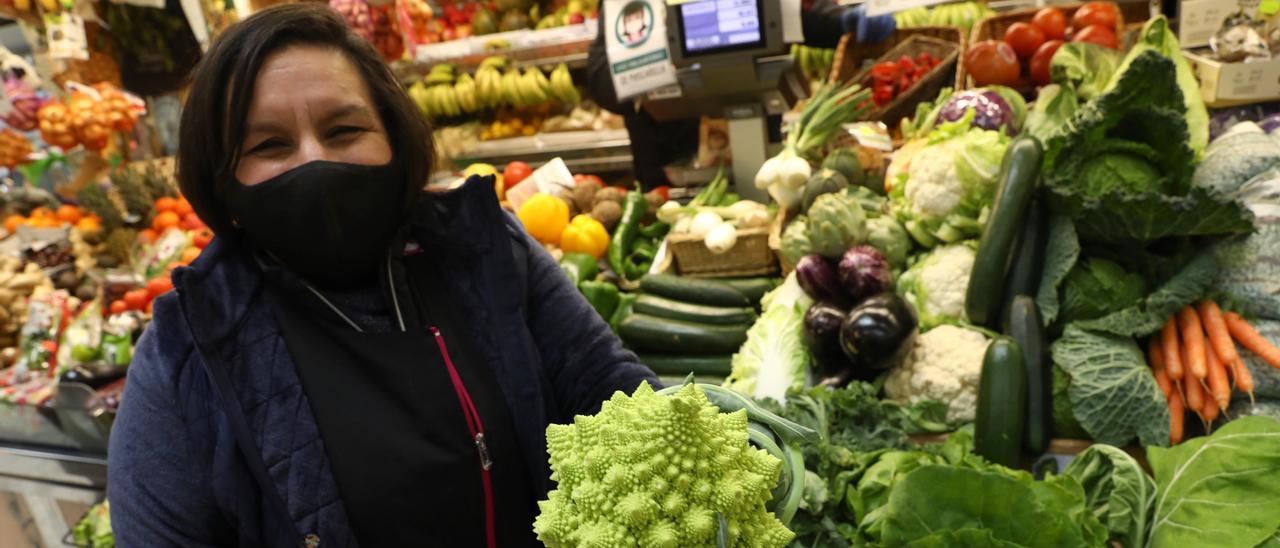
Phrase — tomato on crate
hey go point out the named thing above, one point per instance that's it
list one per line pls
(1051, 22)
(1024, 38)
(516, 172)
(1097, 34)
(136, 299)
(1104, 14)
(992, 63)
(1041, 62)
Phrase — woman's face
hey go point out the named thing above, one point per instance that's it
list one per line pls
(309, 103)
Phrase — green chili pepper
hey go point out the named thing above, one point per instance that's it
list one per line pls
(634, 209)
(625, 302)
(656, 231)
(603, 297)
(580, 267)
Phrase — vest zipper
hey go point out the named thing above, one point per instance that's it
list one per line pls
(477, 434)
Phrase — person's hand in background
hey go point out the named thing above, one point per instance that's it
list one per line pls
(869, 30)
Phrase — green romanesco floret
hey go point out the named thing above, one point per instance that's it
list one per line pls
(654, 471)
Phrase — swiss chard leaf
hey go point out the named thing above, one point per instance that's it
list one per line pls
(1112, 392)
(1117, 490)
(1061, 253)
(1219, 490)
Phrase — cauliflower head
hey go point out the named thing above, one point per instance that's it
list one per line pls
(936, 284)
(654, 471)
(943, 189)
(944, 365)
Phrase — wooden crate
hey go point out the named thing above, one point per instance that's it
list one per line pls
(750, 256)
(852, 56)
(776, 227)
(941, 76)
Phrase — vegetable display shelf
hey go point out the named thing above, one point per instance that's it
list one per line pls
(582, 151)
(567, 45)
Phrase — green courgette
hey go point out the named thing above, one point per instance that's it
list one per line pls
(645, 333)
(1028, 258)
(699, 366)
(662, 307)
(754, 288)
(1019, 174)
(1026, 329)
(1002, 402)
(694, 290)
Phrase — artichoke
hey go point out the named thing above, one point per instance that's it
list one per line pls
(795, 240)
(836, 223)
(886, 234)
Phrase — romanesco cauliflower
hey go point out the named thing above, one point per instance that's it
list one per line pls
(936, 284)
(654, 471)
(944, 365)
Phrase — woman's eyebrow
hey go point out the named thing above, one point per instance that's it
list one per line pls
(343, 111)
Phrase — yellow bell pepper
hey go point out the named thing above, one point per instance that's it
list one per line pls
(585, 235)
(545, 217)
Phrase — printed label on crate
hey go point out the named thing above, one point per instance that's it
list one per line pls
(881, 7)
(1200, 19)
(635, 36)
(66, 37)
(872, 135)
(1249, 81)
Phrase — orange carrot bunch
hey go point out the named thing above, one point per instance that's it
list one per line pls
(1196, 364)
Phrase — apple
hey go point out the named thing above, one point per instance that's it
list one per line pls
(463, 31)
(449, 34)
(192, 222)
(576, 19)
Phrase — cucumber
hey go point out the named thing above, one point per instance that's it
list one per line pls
(753, 288)
(645, 333)
(654, 305)
(1002, 402)
(699, 366)
(1026, 329)
(693, 290)
(1028, 259)
(1018, 179)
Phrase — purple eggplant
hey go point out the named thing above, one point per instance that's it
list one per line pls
(822, 324)
(818, 278)
(1270, 124)
(879, 333)
(864, 271)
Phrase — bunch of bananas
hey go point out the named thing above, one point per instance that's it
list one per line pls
(489, 85)
(815, 63)
(496, 84)
(963, 15)
(562, 88)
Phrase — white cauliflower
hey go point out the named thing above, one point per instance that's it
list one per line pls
(944, 365)
(940, 192)
(934, 189)
(936, 285)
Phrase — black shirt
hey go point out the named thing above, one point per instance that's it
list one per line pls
(393, 425)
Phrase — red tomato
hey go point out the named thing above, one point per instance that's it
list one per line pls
(192, 222)
(1096, 13)
(1041, 60)
(159, 286)
(992, 63)
(1097, 34)
(1051, 22)
(202, 237)
(136, 299)
(515, 172)
(1024, 38)
(118, 307)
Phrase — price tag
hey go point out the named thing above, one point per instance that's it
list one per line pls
(1199, 20)
(882, 7)
(66, 37)
(635, 35)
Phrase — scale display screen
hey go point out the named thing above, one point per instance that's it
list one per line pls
(716, 26)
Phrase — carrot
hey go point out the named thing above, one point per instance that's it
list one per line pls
(1209, 412)
(1219, 387)
(1250, 338)
(1170, 350)
(1194, 393)
(1243, 378)
(1193, 342)
(1177, 415)
(1158, 368)
(1216, 327)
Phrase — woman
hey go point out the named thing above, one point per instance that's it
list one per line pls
(353, 360)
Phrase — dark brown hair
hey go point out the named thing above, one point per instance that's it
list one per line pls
(214, 117)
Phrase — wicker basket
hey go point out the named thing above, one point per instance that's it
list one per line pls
(904, 105)
(751, 256)
(780, 222)
(852, 56)
(994, 27)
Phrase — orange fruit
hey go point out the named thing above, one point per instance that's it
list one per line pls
(69, 214)
(118, 307)
(166, 204)
(159, 286)
(147, 236)
(190, 255)
(90, 223)
(183, 207)
(41, 213)
(165, 221)
(12, 222)
(136, 299)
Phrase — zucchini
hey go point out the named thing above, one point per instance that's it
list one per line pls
(654, 305)
(698, 366)
(1002, 402)
(1018, 178)
(1028, 259)
(754, 288)
(694, 290)
(1026, 329)
(645, 333)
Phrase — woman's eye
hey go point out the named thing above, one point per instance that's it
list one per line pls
(346, 131)
(266, 146)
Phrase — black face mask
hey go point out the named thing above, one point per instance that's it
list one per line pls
(329, 222)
